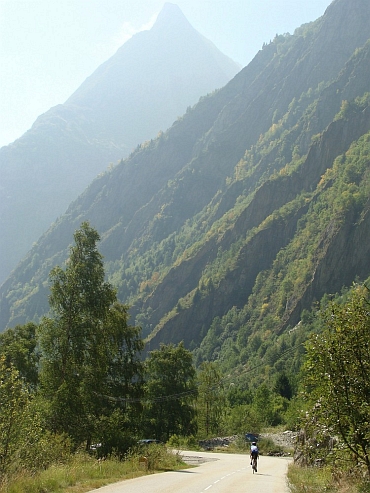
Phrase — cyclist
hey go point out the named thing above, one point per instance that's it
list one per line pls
(254, 452)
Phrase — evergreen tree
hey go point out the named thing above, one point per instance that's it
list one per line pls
(89, 353)
(283, 386)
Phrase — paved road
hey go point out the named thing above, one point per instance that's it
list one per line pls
(221, 473)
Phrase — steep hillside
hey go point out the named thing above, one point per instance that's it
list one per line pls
(226, 228)
(138, 92)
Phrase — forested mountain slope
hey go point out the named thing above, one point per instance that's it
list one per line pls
(226, 228)
(141, 90)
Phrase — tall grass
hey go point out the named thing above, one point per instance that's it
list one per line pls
(83, 473)
(324, 480)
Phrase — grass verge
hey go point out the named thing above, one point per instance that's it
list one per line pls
(324, 480)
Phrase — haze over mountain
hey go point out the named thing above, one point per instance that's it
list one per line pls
(141, 90)
(228, 227)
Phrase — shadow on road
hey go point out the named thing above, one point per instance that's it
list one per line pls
(187, 472)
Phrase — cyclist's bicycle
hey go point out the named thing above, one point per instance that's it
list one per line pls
(254, 464)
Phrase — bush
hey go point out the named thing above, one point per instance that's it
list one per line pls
(115, 437)
(185, 443)
(158, 457)
(39, 454)
(267, 446)
(36, 449)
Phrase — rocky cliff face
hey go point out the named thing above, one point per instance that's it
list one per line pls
(260, 252)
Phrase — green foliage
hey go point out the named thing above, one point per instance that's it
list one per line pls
(116, 434)
(349, 108)
(268, 447)
(13, 402)
(238, 396)
(326, 480)
(89, 352)
(265, 407)
(38, 448)
(184, 443)
(253, 411)
(239, 420)
(342, 193)
(19, 346)
(25, 445)
(159, 458)
(302, 480)
(83, 472)
(336, 378)
(211, 400)
(283, 386)
(170, 389)
(295, 411)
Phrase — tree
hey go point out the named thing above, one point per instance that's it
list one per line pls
(90, 362)
(170, 392)
(19, 346)
(211, 399)
(25, 444)
(238, 395)
(13, 400)
(283, 386)
(124, 384)
(263, 405)
(337, 371)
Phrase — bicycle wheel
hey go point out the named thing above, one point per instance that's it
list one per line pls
(254, 465)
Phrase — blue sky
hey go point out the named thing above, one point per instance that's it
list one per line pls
(49, 47)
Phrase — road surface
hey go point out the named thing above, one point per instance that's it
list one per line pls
(220, 473)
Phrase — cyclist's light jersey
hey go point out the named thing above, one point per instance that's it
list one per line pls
(254, 450)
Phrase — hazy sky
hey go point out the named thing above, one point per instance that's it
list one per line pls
(49, 47)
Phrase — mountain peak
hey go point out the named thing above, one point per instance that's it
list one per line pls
(170, 15)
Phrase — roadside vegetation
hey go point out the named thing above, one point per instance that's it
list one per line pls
(333, 450)
(82, 472)
(325, 480)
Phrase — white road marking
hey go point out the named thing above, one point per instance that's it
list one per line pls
(223, 477)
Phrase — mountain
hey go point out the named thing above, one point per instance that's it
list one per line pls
(141, 90)
(225, 230)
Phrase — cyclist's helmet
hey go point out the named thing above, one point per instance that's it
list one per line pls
(253, 443)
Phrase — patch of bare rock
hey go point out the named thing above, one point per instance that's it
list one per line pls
(285, 439)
